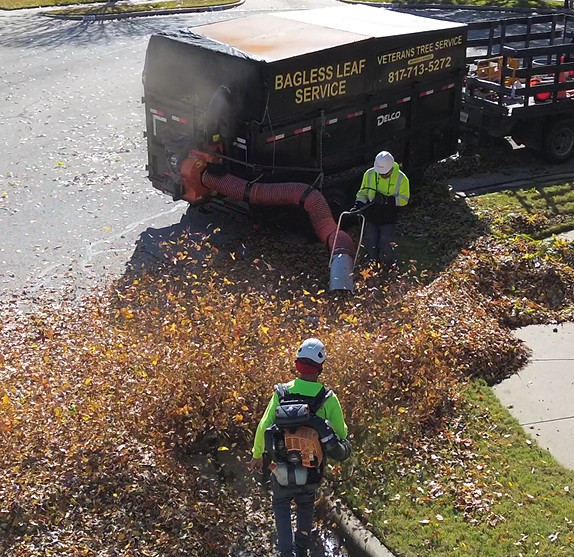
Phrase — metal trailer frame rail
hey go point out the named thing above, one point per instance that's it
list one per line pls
(519, 83)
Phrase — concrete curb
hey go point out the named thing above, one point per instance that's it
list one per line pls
(392, 5)
(126, 15)
(353, 532)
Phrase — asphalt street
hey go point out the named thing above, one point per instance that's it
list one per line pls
(74, 196)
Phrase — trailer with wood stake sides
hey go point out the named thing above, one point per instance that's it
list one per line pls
(520, 84)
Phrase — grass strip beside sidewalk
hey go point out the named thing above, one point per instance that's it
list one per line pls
(489, 491)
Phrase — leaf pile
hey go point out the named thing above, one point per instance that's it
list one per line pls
(113, 412)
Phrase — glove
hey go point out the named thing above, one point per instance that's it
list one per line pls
(358, 206)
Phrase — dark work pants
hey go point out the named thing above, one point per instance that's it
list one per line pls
(305, 506)
(379, 240)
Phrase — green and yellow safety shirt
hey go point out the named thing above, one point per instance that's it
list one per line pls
(331, 411)
(383, 195)
(396, 185)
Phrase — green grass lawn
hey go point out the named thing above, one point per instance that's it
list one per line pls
(488, 492)
(484, 3)
(104, 7)
(539, 212)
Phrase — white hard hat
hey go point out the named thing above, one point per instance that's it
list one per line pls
(384, 162)
(312, 349)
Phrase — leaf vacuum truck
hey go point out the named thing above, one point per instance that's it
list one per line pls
(268, 109)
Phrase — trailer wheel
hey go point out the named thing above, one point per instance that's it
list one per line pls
(338, 200)
(559, 142)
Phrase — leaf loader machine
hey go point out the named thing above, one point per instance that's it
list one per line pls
(267, 110)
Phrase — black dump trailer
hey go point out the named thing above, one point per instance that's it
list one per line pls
(521, 84)
(302, 95)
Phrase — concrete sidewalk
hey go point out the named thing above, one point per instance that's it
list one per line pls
(541, 395)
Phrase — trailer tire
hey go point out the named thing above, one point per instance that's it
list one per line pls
(558, 143)
(338, 200)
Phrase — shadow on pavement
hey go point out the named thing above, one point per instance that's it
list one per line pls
(198, 228)
(33, 30)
